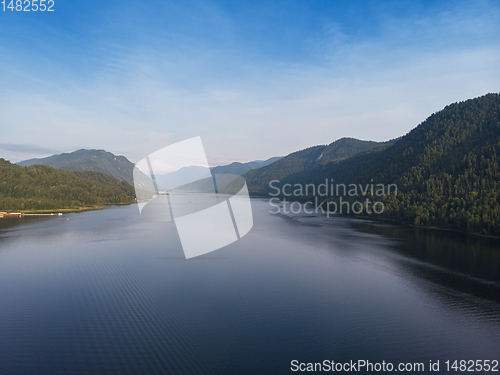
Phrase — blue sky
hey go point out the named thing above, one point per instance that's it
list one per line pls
(254, 79)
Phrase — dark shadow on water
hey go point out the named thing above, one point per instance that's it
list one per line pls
(477, 257)
(466, 264)
(8, 223)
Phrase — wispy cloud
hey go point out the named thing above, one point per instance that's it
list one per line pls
(18, 152)
(27, 148)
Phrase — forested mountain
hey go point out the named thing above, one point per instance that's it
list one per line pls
(89, 160)
(241, 168)
(446, 169)
(305, 160)
(41, 187)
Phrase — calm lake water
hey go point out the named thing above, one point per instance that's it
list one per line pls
(108, 292)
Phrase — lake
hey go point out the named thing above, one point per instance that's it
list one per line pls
(108, 292)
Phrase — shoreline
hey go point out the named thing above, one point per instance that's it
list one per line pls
(402, 223)
(56, 212)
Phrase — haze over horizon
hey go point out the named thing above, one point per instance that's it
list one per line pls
(254, 79)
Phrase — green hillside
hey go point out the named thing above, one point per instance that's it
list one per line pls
(89, 160)
(45, 188)
(305, 160)
(446, 169)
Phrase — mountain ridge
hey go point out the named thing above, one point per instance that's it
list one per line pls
(241, 168)
(88, 160)
(121, 168)
(303, 160)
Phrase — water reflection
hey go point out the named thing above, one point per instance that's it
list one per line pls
(475, 256)
(457, 269)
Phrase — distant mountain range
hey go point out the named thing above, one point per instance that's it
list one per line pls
(121, 168)
(241, 168)
(181, 177)
(193, 173)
